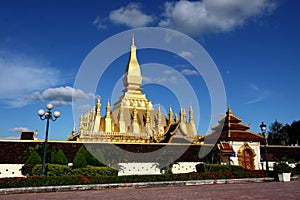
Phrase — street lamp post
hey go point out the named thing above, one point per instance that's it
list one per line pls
(47, 115)
(263, 128)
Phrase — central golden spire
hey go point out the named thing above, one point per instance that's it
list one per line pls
(133, 67)
(132, 94)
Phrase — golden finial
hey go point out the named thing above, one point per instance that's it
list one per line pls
(229, 111)
(132, 39)
(191, 108)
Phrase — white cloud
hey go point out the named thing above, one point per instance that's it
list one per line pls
(165, 77)
(22, 75)
(131, 16)
(99, 23)
(258, 94)
(18, 129)
(212, 16)
(24, 80)
(62, 95)
(186, 54)
(180, 66)
(168, 72)
(189, 72)
(160, 80)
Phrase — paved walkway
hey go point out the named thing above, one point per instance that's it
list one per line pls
(264, 190)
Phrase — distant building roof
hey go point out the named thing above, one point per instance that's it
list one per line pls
(27, 135)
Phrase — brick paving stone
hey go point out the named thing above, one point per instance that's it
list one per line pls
(265, 190)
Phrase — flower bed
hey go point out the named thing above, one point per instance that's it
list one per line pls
(36, 181)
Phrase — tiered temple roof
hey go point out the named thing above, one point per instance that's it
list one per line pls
(230, 128)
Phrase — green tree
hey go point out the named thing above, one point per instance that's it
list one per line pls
(58, 157)
(34, 158)
(277, 134)
(79, 161)
(289, 139)
(213, 156)
(294, 132)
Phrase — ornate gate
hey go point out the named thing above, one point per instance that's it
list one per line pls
(246, 157)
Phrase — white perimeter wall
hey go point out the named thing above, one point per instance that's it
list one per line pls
(10, 170)
(184, 167)
(138, 169)
(153, 168)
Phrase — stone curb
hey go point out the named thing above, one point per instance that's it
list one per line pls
(124, 185)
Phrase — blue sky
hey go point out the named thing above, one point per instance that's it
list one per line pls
(254, 43)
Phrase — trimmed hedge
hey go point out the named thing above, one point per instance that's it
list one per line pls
(93, 170)
(203, 167)
(52, 170)
(37, 181)
(61, 170)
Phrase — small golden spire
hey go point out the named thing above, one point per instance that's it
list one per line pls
(98, 106)
(176, 118)
(170, 114)
(108, 110)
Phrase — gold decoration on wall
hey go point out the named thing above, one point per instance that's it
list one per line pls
(246, 156)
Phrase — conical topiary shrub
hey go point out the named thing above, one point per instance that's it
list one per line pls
(89, 157)
(58, 157)
(79, 161)
(34, 158)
